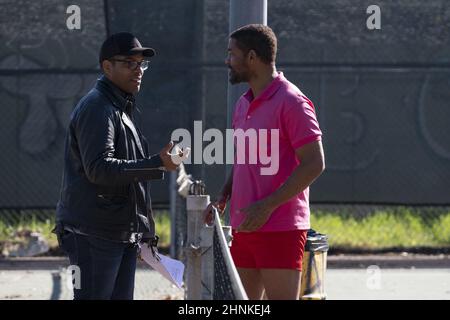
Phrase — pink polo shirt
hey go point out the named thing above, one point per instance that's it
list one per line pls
(284, 108)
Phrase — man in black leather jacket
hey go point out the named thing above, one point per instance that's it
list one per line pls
(105, 207)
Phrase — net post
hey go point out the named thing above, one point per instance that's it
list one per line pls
(173, 214)
(196, 204)
(207, 264)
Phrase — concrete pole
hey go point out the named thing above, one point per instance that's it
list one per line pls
(242, 13)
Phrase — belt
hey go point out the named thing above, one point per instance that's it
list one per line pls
(121, 236)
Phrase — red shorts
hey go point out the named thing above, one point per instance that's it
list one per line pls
(269, 250)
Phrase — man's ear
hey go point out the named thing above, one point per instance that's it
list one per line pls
(251, 55)
(107, 67)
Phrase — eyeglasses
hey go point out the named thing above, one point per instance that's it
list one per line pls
(132, 65)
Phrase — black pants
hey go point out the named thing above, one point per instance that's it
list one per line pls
(107, 268)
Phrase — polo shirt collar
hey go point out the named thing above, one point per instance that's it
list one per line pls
(271, 89)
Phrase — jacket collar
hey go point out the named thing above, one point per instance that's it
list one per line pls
(119, 98)
(123, 101)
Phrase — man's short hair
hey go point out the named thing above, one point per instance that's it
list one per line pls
(259, 38)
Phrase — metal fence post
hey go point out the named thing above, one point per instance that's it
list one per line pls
(173, 214)
(198, 248)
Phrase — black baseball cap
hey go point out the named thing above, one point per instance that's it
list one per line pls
(123, 43)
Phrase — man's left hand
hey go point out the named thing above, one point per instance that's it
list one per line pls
(257, 215)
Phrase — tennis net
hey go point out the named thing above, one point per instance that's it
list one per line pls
(227, 284)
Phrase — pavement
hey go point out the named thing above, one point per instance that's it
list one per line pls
(388, 284)
(371, 277)
(46, 279)
(389, 261)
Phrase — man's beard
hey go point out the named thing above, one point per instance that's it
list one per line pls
(236, 78)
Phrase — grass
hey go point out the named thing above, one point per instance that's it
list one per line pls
(9, 231)
(12, 232)
(162, 226)
(396, 228)
(382, 229)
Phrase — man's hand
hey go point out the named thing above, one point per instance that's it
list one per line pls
(220, 204)
(166, 157)
(257, 215)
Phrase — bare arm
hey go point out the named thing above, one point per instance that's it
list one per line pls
(221, 202)
(226, 190)
(312, 164)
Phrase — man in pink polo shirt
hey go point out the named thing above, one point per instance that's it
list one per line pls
(269, 200)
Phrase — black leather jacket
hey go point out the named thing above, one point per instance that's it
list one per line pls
(105, 188)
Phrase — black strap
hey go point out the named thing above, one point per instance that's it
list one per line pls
(121, 236)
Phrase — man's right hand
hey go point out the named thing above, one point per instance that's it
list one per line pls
(166, 157)
(220, 204)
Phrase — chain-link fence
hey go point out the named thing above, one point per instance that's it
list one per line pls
(383, 228)
(381, 97)
(362, 228)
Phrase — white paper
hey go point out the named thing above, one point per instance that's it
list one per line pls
(169, 268)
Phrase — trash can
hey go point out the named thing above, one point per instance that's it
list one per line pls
(314, 267)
